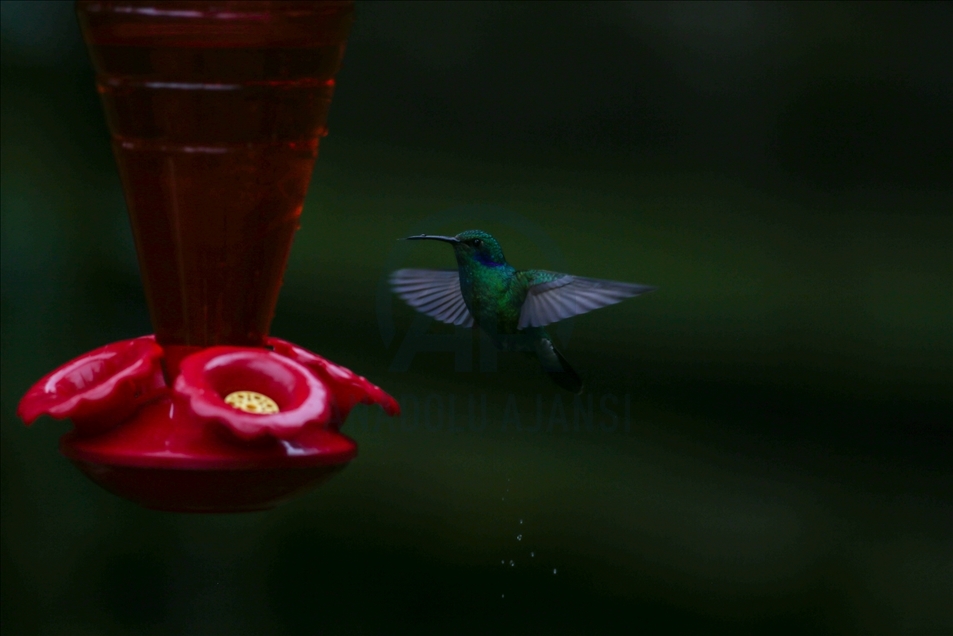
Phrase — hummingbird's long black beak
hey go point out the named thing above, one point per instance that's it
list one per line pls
(432, 237)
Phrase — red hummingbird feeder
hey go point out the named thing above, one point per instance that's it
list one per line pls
(216, 110)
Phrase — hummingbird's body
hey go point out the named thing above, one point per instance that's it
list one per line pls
(493, 294)
(510, 305)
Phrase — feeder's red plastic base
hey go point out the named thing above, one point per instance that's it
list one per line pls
(159, 462)
(184, 490)
(154, 460)
(184, 448)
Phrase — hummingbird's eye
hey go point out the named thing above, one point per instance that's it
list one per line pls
(477, 242)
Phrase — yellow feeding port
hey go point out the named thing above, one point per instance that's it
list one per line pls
(251, 402)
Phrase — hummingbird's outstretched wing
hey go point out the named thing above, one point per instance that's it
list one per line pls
(434, 292)
(552, 297)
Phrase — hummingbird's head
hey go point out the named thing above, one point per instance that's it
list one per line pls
(470, 246)
(479, 246)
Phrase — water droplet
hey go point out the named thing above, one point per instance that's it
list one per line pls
(513, 564)
(502, 562)
(532, 554)
(521, 522)
(519, 537)
(502, 595)
(554, 570)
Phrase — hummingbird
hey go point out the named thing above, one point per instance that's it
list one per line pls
(510, 305)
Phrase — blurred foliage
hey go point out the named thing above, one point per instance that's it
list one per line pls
(781, 171)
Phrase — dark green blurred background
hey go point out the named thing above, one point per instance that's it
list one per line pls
(781, 171)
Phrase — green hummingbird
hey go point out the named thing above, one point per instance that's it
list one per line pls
(510, 305)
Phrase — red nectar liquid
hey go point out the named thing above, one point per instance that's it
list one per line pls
(216, 110)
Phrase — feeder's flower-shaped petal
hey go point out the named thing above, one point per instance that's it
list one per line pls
(99, 389)
(210, 377)
(347, 388)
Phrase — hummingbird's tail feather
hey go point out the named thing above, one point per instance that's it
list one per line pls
(558, 368)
